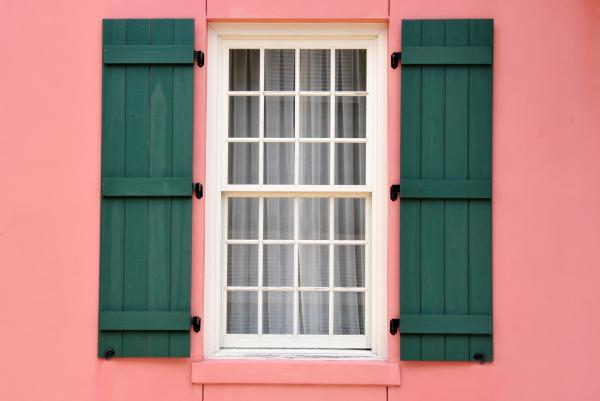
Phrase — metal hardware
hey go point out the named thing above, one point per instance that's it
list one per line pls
(394, 325)
(198, 190)
(109, 353)
(196, 323)
(394, 191)
(199, 58)
(396, 57)
(479, 357)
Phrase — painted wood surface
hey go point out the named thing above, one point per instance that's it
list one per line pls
(147, 186)
(445, 212)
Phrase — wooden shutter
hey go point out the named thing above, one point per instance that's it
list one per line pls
(147, 105)
(445, 190)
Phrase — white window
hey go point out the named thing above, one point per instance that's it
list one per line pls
(295, 159)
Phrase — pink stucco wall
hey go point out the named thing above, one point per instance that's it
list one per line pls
(546, 203)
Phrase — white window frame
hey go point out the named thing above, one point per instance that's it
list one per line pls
(222, 37)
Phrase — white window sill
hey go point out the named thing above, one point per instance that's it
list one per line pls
(289, 371)
(297, 354)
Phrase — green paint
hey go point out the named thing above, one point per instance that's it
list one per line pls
(445, 55)
(445, 189)
(151, 54)
(146, 320)
(153, 186)
(445, 214)
(446, 324)
(146, 187)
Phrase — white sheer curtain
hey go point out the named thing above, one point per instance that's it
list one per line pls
(314, 265)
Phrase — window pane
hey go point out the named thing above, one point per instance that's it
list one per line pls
(242, 218)
(349, 219)
(314, 116)
(243, 163)
(350, 117)
(279, 116)
(314, 164)
(351, 70)
(349, 313)
(279, 218)
(313, 265)
(278, 312)
(314, 218)
(315, 70)
(243, 116)
(242, 265)
(278, 265)
(244, 70)
(280, 69)
(349, 265)
(279, 163)
(313, 312)
(350, 163)
(242, 312)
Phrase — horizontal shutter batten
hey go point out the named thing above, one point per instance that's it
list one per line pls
(147, 186)
(445, 324)
(144, 320)
(447, 55)
(149, 54)
(458, 189)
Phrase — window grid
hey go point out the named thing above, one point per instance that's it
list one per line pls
(261, 140)
(260, 288)
(332, 195)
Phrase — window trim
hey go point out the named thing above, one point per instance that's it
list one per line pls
(219, 34)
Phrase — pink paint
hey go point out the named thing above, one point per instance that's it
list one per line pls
(546, 206)
(353, 373)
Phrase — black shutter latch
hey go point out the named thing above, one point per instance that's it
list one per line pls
(199, 58)
(394, 191)
(394, 325)
(396, 57)
(198, 190)
(479, 357)
(196, 322)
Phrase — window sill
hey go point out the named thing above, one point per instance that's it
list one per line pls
(325, 372)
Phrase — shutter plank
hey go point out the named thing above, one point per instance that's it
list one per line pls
(181, 209)
(159, 209)
(480, 167)
(432, 211)
(410, 209)
(457, 167)
(112, 211)
(136, 209)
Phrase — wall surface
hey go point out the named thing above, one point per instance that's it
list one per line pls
(546, 202)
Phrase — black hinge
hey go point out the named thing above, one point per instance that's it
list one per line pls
(396, 57)
(479, 357)
(198, 190)
(109, 353)
(394, 325)
(394, 191)
(196, 322)
(199, 58)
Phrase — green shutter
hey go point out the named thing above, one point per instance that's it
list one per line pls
(445, 190)
(145, 244)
